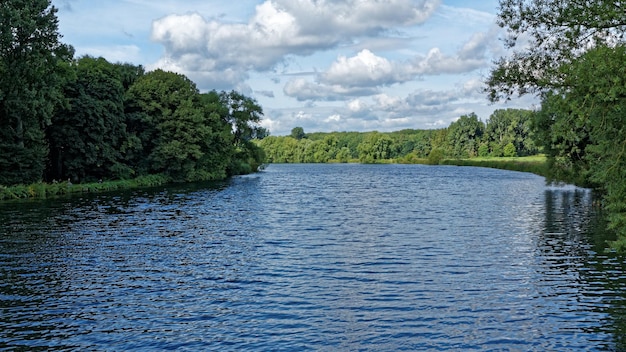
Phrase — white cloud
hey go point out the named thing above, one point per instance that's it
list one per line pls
(278, 29)
(320, 64)
(366, 73)
(365, 69)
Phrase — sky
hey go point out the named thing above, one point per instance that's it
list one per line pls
(323, 65)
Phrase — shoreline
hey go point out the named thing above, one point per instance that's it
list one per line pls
(533, 164)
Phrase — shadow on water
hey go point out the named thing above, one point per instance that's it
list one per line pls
(574, 242)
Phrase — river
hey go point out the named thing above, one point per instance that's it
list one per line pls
(315, 257)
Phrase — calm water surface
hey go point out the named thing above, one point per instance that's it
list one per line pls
(315, 257)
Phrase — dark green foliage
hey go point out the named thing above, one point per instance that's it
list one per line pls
(298, 133)
(31, 73)
(86, 136)
(558, 32)
(175, 130)
(376, 147)
(89, 120)
(575, 62)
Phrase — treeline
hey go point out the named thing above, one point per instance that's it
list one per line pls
(87, 119)
(506, 133)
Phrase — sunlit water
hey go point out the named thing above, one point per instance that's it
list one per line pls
(315, 257)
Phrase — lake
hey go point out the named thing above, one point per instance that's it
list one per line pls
(335, 257)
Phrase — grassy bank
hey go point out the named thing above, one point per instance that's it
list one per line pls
(48, 190)
(535, 164)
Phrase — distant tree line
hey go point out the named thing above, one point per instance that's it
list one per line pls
(86, 119)
(505, 133)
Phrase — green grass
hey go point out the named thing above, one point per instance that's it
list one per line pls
(536, 164)
(50, 190)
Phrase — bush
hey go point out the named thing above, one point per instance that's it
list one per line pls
(509, 150)
(435, 157)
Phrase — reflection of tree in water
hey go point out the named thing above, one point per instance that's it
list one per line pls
(573, 243)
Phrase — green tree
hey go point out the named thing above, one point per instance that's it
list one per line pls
(510, 126)
(32, 71)
(86, 136)
(464, 135)
(554, 34)
(297, 133)
(376, 147)
(244, 115)
(175, 131)
(509, 150)
(575, 61)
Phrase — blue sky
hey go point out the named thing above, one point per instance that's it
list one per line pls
(350, 65)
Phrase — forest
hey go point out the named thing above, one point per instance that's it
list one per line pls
(86, 120)
(506, 133)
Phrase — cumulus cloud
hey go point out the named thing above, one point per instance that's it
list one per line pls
(365, 73)
(365, 69)
(277, 29)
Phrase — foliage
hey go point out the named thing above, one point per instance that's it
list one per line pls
(49, 190)
(86, 136)
(298, 133)
(463, 136)
(575, 62)
(552, 35)
(376, 147)
(466, 137)
(190, 136)
(435, 157)
(31, 73)
(510, 126)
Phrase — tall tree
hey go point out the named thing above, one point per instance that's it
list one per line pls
(510, 126)
(297, 133)
(244, 115)
(575, 61)
(176, 131)
(86, 137)
(32, 71)
(545, 36)
(464, 136)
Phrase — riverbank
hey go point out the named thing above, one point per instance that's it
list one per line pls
(536, 164)
(47, 190)
(533, 164)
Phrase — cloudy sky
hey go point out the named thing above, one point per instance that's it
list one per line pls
(324, 65)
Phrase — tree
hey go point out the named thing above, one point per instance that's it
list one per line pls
(463, 137)
(558, 32)
(297, 133)
(32, 70)
(244, 115)
(510, 126)
(86, 136)
(376, 147)
(575, 62)
(176, 132)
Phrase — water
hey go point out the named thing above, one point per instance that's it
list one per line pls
(315, 257)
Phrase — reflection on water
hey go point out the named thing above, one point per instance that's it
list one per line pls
(317, 257)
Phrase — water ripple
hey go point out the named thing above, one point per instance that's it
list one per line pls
(315, 257)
